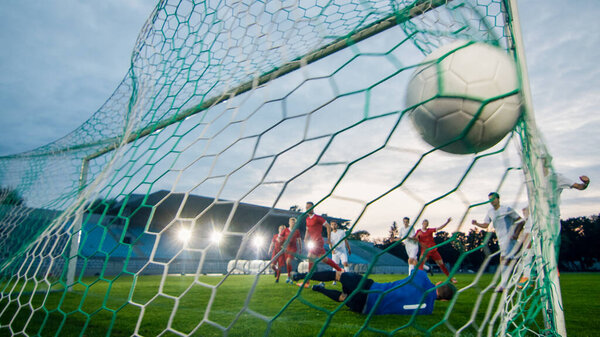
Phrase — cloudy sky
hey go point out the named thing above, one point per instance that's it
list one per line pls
(62, 59)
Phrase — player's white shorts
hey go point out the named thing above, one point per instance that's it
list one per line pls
(339, 258)
(412, 250)
(508, 248)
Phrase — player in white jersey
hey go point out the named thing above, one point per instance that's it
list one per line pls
(341, 251)
(562, 181)
(508, 225)
(559, 182)
(411, 244)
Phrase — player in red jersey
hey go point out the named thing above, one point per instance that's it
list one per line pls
(425, 237)
(292, 247)
(314, 229)
(277, 262)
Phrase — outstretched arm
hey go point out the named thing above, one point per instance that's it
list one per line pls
(413, 238)
(444, 225)
(480, 224)
(347, 246)
(585, 181)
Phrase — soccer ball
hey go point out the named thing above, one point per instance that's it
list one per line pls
(465, 97)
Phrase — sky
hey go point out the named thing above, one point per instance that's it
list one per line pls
(63, 59)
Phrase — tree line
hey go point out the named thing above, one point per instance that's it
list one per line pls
(578, 247)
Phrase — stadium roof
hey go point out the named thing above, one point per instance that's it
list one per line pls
(160, 208)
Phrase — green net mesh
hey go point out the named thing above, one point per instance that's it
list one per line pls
(232, 114)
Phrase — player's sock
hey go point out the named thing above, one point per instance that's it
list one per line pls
(278, 273)
(410, 269)
(288, 266)
(310, 265)
(332, 264)
(333, 294)
(425, 267)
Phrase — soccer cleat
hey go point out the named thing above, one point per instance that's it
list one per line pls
(522, 282)
(453, 280)
(276, 280)
(318, 287)
(306, 285)
(288, 280)
(334, 283)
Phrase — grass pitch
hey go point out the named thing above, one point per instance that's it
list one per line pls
(214, 303)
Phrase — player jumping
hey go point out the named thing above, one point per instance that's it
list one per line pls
(411, 244)
(508, 225)
(425, 237)
(314, 239)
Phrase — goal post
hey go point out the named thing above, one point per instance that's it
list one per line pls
(549, 216)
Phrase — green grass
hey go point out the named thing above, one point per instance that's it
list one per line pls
(100, 307)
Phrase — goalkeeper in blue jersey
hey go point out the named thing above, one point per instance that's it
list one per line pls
(402, 297)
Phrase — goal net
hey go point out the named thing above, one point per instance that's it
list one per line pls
(233, 115)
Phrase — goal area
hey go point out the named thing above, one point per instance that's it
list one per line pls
(231, 117)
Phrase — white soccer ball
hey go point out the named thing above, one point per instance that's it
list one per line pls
(454, 84)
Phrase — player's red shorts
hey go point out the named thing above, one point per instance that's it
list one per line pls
(433, 254)
(318, 249)
(290, 254)
(280, 260)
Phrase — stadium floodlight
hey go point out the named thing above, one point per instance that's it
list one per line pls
(216, 237)
(184, 235)
(258, 241)
(310, 245)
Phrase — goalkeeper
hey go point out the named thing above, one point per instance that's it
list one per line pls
(402, 297)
